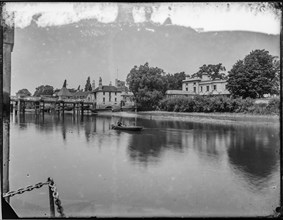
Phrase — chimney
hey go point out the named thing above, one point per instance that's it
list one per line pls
(100, 83)
(93, 85)
(205, 76)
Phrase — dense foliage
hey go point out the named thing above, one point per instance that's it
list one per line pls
(256, 75)
(24, 92)
(175, 80)
(43, 90)
(88, 85)
(219, 104)
(148, 85)
(65, 84)
(213, 71)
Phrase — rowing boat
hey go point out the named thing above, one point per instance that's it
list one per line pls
(127, 128)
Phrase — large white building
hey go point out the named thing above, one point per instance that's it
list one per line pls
(205, 85)
(192, 86)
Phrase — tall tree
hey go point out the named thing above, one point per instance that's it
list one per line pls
(88, 85)
(65, 84)
(175, 80)
(213, 71)
(148, 85)
(43, 90)
(257, 74)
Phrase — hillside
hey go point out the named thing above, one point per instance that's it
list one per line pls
(88, 48)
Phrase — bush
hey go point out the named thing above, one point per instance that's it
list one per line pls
(273, 106)
(219, 104)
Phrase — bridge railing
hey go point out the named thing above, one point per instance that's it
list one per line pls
(50, 100)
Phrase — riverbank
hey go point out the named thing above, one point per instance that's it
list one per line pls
(234, 118)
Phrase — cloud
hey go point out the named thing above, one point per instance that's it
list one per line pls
(258, 17)
(55, 14)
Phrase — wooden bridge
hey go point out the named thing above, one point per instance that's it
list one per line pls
(43, 104)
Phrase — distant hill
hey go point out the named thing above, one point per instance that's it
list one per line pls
(88, 48)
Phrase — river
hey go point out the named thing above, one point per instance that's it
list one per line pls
(171, 168)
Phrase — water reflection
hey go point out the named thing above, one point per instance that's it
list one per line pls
(254, 154)
(188, 153)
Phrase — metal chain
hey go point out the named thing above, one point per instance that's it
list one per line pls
(57, 201)
(25, 189)
(55, 193)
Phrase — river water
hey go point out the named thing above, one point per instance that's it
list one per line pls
(171, 168)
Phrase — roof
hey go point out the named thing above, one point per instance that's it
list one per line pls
(81, 93)
(178, 92)
(212, 82)
(127, 94)
(192, 79)
(64, 92)
(107, 89)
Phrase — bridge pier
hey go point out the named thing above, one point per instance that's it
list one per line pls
(74, 109)
(43, 107)
(82, 108)
(37, 107)
(63, 108)
(19, 106)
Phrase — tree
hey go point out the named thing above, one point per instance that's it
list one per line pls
(213, 71)
(256, 75)
(88, 85)
(175, 80)
(23, 92)
(43, 90)
(148, 85)
(65, 84)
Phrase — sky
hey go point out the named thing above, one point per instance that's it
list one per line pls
(203, 17)
(257, 17)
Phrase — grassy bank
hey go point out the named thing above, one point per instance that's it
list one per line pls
(219, 118)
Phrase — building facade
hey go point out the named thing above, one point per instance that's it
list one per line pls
(205, 86)
(128, 100)
(106, 96)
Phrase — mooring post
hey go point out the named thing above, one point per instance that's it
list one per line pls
(51, 199)
(7, 43)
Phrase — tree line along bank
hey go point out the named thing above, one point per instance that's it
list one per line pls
(249, 79)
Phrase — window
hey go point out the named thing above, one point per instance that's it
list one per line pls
(195, 89)
(194, 83)
(115, 93)
(186, 89)
(207, 88)
(214, 87)
(103, 93)
(201, 88)
(115, 99)
(103, 100)
(186, 84)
